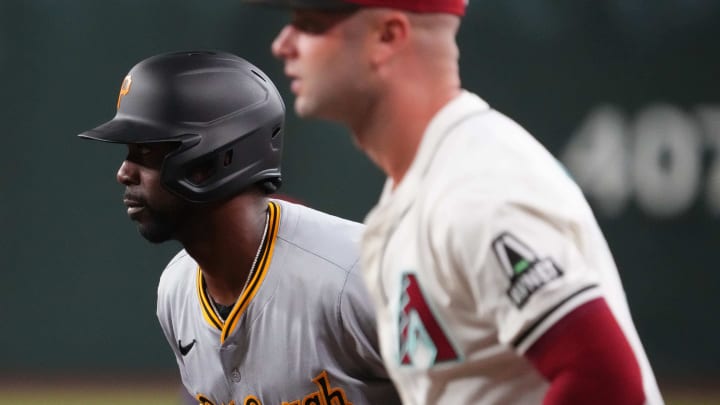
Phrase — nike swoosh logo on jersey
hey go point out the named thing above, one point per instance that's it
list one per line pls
(185, 349)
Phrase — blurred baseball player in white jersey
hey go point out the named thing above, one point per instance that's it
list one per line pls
(264, 305)
(492, 280)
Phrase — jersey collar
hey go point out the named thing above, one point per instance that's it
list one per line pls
(227, 326)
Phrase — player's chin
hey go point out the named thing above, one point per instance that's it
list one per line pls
(154, 233)
(306, 107)
(302, 108)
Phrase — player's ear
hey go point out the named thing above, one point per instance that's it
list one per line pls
(391, 33)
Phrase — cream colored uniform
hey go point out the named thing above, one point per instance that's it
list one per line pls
(481, 248)
(301, 333)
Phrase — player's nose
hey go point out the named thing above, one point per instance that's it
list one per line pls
(282, 46)
(128, 174)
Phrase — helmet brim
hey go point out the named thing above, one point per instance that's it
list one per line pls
(123, 130)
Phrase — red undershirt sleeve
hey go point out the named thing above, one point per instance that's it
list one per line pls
(587, 360)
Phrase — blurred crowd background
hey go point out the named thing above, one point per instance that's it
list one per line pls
(624, 92)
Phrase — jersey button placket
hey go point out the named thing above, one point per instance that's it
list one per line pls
(228, 354)
(235, 375)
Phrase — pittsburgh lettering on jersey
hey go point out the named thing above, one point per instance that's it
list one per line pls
(252, 400)
(325, 395)
(422, 341)
(203, 400)
(527, 273)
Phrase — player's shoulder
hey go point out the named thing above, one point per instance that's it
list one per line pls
(489, 169)
(325, 236)
(490, 142)
(178, 271)
(488, 159)
(470, 133)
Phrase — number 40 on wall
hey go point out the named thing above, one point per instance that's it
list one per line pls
(658, 158)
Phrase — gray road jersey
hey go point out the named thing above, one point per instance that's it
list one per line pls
(302, 332)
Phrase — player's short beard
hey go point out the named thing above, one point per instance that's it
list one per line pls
(163, 226)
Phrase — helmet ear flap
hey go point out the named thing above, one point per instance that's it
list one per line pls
(228, 159)
(201, 172)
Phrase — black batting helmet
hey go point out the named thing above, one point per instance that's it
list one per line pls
(225, 114)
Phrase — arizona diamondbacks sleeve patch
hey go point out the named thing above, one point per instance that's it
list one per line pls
(526, 271)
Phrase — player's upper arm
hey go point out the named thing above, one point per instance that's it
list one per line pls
(164, 315)
(587, 359)
(169, 297)
(523, 268)
(357, 318)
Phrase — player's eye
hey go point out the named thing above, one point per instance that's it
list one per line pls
(317, 22)
(309, 26)
(144, 150)
(151, 154)
(142, 154)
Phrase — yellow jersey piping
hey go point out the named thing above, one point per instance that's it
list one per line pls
(268, 245)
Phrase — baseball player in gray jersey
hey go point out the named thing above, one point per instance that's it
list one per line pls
(264, 305)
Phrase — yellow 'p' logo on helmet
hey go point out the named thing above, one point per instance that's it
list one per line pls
(124, 89)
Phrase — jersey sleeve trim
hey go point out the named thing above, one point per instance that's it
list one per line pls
(523, 342)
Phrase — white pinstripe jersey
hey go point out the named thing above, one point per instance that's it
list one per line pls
(484, 244)
(301, 333)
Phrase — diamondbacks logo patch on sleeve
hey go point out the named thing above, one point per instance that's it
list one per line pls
(527, 272)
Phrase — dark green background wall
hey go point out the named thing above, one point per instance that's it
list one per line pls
(78, 284)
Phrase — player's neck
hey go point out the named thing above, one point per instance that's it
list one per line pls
(225, 245)
(392, 136)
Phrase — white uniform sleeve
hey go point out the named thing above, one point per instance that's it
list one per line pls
(525, 270)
